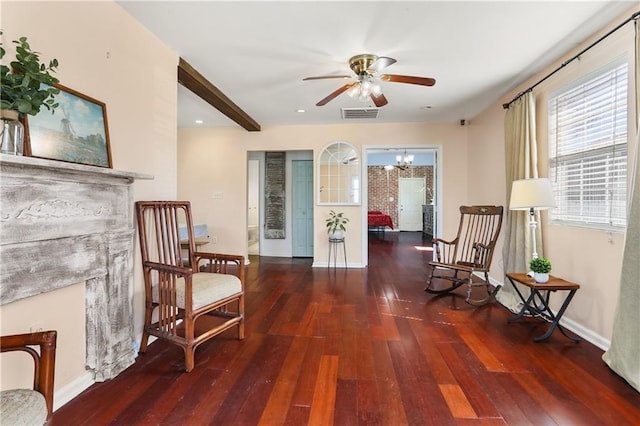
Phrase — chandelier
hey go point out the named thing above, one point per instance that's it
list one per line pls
(403, 162)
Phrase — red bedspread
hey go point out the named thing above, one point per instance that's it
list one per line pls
(376, 218)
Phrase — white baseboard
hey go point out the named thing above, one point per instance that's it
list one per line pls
(83, 382)
(588, 335)
(338, 265)
(73, 389)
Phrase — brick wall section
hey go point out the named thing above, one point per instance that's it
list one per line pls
(383, 185)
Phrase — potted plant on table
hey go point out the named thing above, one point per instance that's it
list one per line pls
(336, 225)
(22, 93)
(541, 266)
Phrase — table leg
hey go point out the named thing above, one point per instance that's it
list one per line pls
(526, 303)
(555, 323)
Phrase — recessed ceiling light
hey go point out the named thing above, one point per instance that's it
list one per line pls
(199, 121)
(300, 110)
(426, 107)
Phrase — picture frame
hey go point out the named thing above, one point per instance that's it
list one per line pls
(76, 131)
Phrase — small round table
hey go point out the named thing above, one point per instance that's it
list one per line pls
(333, 246)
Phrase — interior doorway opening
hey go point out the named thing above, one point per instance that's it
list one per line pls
(253, 206)
(405, 184)
(258, 194)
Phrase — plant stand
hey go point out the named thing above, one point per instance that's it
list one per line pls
(333, 246)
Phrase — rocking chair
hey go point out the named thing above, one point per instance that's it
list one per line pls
(182, 289)
(470, 252)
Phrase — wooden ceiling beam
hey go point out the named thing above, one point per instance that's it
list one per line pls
(198, 84)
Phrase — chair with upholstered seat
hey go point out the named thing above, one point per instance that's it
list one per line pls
(190, 296)
(30, 406)
(470, 253)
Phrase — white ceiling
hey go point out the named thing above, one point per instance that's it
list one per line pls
(257, 53)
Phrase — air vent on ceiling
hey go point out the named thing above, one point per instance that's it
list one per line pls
(353, 113)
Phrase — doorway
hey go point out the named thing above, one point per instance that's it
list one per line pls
(384, 166)
(253, 206)
(258, 242)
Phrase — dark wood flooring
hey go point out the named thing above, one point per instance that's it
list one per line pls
(364, 346)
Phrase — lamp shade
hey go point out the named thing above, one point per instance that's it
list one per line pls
(529, 194)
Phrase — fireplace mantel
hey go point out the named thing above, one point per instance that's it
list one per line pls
(63, 224)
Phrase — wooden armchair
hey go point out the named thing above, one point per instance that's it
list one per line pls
(31, 406)
(183, 286)
(470, 252)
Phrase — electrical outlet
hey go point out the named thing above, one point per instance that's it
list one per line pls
(36, 327)
(214, 240)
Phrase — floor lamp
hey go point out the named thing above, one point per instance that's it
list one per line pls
(532, 195)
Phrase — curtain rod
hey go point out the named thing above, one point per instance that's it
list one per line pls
(634, 16)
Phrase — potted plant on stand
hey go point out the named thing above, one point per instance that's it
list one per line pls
(22, 93)
(336, 225)
(541, 266)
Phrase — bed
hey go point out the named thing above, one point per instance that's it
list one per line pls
(378, 220)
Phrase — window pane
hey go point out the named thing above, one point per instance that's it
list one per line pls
(588, 150)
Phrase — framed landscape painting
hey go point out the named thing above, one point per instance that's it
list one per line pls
(76, 132)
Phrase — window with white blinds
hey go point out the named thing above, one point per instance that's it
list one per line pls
(588, 150)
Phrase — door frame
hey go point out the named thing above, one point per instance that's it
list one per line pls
(311, 192)
(438, 176)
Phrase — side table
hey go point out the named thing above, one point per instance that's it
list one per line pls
(537, 304)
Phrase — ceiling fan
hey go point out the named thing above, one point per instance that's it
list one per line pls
(367, 85)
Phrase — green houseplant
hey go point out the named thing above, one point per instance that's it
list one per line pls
(22, 92)
(336, 224)
(541, 266)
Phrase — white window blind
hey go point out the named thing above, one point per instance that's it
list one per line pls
(588, 150)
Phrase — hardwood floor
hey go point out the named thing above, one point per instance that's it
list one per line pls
(364, 346)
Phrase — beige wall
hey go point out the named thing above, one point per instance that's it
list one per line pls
(589, 257)
(486, 184)
(215, 160)
(104, 54)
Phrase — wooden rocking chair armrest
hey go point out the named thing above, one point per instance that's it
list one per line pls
(442, 241)
(482, 246)
(455, 266)
(481, 250)
(161, 267)
(444, 249)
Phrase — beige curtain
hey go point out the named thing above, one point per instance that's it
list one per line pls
(521, 155)
(623, 356)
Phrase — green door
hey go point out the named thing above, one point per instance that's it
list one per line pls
(302, 206)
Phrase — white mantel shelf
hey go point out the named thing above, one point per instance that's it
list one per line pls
(63, 224)
(41, 163)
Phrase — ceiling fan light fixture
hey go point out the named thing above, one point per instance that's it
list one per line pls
(376, 89)
(366, 87)
(354, 91)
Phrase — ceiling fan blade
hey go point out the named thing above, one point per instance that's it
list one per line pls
(335, 94)
(381, 63)
(422, 81)
(325, 77)
(380, 101)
